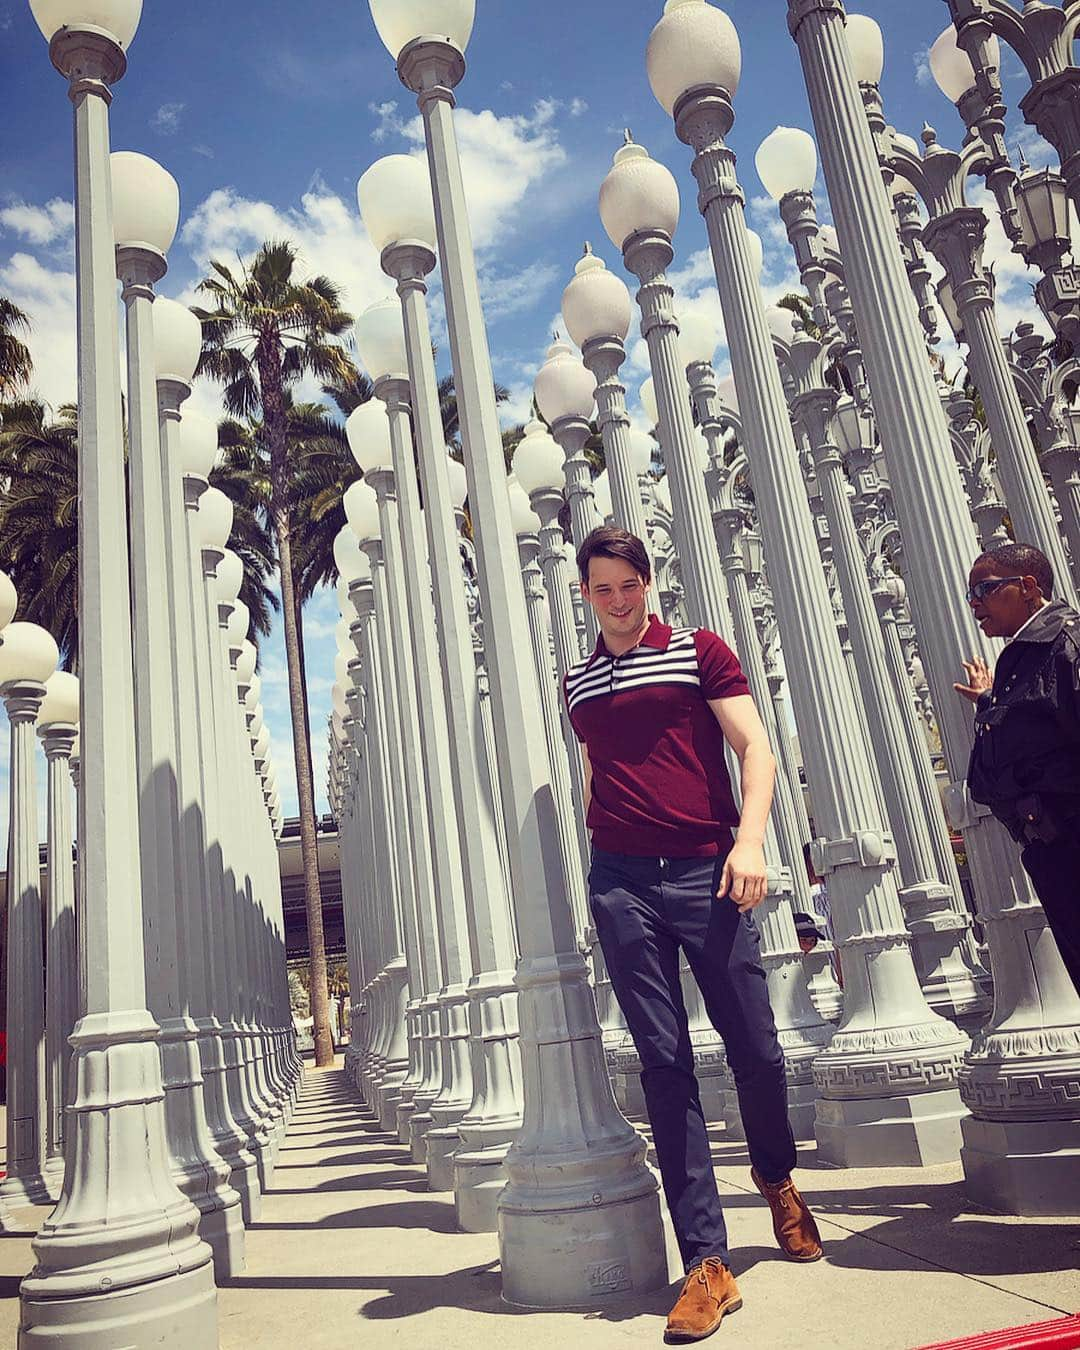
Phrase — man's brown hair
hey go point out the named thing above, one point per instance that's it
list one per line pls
(609, 541)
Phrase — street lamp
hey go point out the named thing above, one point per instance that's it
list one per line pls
(368, 433)
(124, 1225)
(146, 203)
(546, 1197)
(58, 728)
(28, 657)
(853, 847)
(396, 201)
(639, 206)
(565, 392)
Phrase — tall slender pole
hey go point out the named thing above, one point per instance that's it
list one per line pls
(61, 986)
(121, 1224)
(494, 1113)
(25, 1182)
(556, 1163)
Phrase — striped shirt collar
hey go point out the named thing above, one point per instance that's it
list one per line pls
(657, 636)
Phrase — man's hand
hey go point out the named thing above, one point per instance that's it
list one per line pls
(979, 679)
(744, 878)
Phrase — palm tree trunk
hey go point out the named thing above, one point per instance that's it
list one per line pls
(274, 417)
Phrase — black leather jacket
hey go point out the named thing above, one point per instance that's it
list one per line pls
(1025, 763)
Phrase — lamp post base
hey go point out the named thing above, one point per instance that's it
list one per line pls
(441, 1144)
(916, 1131)
(479, 1178)
(1025, 1167)
(173, 1314)
(578, 1256)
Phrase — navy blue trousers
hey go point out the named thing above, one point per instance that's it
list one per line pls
(645, 910)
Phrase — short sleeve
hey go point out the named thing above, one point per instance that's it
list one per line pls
(570, 715)
(718, 667)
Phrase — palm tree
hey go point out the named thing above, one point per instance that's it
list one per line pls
(15, 363)
(39, 518)
(266, 331)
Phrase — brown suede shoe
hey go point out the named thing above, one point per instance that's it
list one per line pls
(708, 1293)
(792, 1222)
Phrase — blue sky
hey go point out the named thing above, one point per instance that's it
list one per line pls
(267, 114)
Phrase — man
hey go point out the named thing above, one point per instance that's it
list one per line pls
(807, 933)
(653, 707)
(1025, 763)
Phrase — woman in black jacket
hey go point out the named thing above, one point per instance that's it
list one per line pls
(1025, 763)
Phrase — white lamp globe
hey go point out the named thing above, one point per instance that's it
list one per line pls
(564, 387)
(254, 690)
(641, 447)
(344, 603)
(867, 48)
(829, 239)
(239, 624)
(538, 461)
(60, 706)
(781, 323)
(596, 303)
(380, 339)
(246, 661)
(951, 66)
(662, 494)
(697, 339)
(28, 652)
(459, 482)
(352, 565)
(146, 202)
(230, 577)
(786, 161)
(693, 44)
(9, 600)
(395, 201)
(729, 395)
(198, 442)
(647, 394)
(601, 487)
(524, 518)
(177, 340)
(118, 17)
(262, 744)
(399, 22)
(215, 518)
(362, 512)
(368, 433)
(638, 194)
(342, 638)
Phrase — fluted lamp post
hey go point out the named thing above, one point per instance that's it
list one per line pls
(396, 203)
(597, 312)
(578, 1170)
(565, 391)
(639, 207)
(58, 728)
(28, 657)
(117, 1221)
(887, 1081)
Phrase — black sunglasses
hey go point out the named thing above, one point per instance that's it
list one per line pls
(981, 589)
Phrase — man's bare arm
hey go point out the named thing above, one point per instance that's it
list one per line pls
(744, 877)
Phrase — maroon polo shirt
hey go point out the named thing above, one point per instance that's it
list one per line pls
(660, 786)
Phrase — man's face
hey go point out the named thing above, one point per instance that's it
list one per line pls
(1001, 602)
(807, 944)
(618, 594)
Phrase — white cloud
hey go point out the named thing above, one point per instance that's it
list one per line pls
(923, 74)
(506, 293)
(48, 296)
(502, 158)
(40, 225)
(167, 118)
(327, 232)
